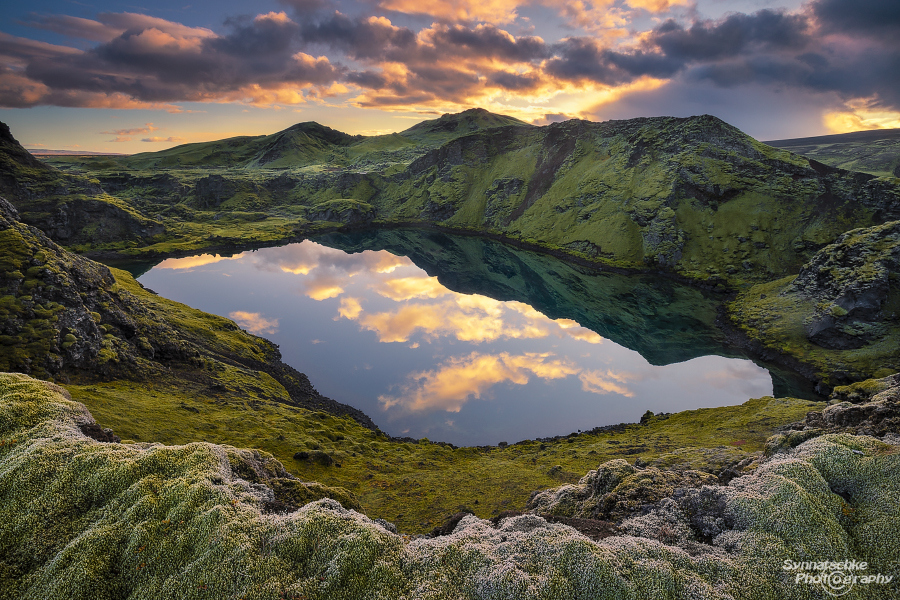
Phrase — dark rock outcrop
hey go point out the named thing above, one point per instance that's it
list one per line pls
(855, 283)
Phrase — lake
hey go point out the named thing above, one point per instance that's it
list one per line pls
(470, 341)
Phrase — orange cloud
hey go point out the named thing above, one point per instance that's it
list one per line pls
(323, 289)
(861, 116)
(467, 318)
(599, 382)
(452, 385)
(254, 322)
(350, 308)
(576, 331)
(406, 288)
(194, 261)
(488, 11)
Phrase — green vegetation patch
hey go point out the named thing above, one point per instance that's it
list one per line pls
(82, 519)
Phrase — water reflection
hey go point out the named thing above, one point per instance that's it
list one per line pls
(377, 331)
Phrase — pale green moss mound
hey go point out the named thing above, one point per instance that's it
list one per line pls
(92, 520)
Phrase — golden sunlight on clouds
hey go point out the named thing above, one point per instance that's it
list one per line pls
(576, 331)
(657, 6)
(489, 11)
(194, 261)
(861, 118)
(608, 95)
(323, 290)
(254, 322)
(407, 288)
(468, 318)
(450, 386)
(599, 382)
(350, 308)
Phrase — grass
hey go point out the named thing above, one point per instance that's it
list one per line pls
(416, 485)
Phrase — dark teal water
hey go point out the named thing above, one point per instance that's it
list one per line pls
(480, 343)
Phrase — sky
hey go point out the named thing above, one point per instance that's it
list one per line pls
(131, 77)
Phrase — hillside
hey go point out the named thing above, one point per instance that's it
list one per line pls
(69, 207)
(154, 370)
(876, 152)
(693, 196)
(122, 520)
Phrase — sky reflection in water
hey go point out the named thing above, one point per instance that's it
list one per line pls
(375, 331)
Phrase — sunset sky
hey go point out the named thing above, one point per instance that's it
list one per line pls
(126, 77)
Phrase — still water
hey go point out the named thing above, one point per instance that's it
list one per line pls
(470, 341)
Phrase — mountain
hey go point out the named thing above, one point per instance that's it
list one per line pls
(307, 144)
(299, 145)
(876, 151)
(70, 208)
(693, 198)
(451, 126)
(67, 318)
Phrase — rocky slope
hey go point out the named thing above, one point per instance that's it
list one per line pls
(70, 209)
(71, 319)
(693, 196)
(204, 521)
(841, 314)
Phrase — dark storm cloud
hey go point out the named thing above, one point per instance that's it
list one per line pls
(828, 46)
(157, 65)
(489, 41)
(767, 47)
(866, 17)
(738, 33)
(515, 81)
(581, 59)
(371, 39)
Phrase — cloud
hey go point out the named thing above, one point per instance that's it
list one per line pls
(866, 17)
(254, 322)
(307, 256)
(489, 11)
(407, 288)
(452, 384)
(154, 61)
(350, 308)
(608, 382)
(148, 128)
(162, 139)
(468, 318)
(191, 262)
(470, 54)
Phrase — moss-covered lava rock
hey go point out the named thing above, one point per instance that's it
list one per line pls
(83, 519)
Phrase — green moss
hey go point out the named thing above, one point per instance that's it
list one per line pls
(103, 520)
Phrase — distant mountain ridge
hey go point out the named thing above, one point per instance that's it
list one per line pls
(870, 135)
(875, 151)
(311, 143)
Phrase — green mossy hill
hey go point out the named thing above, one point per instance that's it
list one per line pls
(417, 484)
(841, 314)
(308, 144)
(876, 152)
(437, 132)
(69, 318)
(82, 519)
(299, 145)
(69, 208)
(695, 196)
